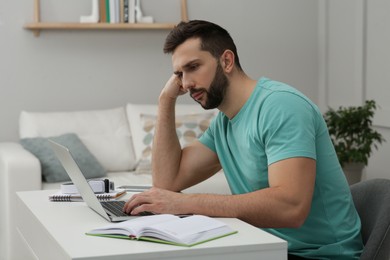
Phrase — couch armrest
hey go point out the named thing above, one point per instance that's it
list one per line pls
(19, 171)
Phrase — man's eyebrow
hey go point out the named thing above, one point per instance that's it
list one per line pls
(177, 73)
(186, 66)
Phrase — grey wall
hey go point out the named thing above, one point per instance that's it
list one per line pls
(74, 70)
(354, 65)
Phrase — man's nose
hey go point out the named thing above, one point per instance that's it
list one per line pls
(187, 83)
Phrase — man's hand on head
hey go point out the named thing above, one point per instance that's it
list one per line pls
(174, 87)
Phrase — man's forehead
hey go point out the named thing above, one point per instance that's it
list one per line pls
(188, 52)
(191, 44)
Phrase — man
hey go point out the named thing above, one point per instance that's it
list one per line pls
(270, 140)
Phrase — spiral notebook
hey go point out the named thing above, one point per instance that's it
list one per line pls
(59, 196)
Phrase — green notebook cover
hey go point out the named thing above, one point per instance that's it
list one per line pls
(156, 240)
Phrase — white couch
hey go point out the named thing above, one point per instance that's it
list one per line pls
(118, 138)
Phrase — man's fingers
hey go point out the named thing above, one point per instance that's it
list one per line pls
(135, 201)
(141, 209)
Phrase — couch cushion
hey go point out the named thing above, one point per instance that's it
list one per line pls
(191, 122)
(52, 170)
(105, 133)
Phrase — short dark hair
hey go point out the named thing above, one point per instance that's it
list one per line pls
(214, 38)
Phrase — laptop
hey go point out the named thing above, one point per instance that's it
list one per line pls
(106, 209)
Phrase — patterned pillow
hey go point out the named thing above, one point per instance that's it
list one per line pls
(188, 129)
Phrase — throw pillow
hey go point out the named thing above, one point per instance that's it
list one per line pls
(188, 129)
(52, 169)
(134, 112)
(106, 133)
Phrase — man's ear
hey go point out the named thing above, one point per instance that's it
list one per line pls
(227, 61)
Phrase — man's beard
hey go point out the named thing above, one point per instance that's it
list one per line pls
(217, 90)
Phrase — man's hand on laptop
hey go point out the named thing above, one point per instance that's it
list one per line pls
(156, 201)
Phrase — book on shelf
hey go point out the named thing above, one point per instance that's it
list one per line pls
(108, 18)
(121, 11)
(125, 11)
(112, 8)
(59, 196)
(102, 11)
(118, 11)
(167, 229)
(131, 11)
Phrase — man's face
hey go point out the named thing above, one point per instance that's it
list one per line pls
(201, 74)
(217, 90)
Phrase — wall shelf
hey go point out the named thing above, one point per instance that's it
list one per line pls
(99, 26)
(37, 25)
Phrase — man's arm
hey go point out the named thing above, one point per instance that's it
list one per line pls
(166, 150)
(286, 203)
(174, 169)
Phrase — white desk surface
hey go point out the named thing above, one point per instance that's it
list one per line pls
(56, 230)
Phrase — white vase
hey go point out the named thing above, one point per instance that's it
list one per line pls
(353, 172)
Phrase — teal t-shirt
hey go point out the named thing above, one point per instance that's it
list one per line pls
(278, 122)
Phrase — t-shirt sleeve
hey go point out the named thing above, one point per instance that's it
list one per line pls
(207, 138)
(287, 127)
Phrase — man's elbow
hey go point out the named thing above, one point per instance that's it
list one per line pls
(166, 185)
(161, 185)
(297, 217)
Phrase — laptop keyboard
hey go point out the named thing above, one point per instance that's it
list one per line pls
(115, 207)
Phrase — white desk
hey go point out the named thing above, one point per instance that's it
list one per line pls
(56, 230)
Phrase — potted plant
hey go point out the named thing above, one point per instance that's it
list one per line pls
(353, 137)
